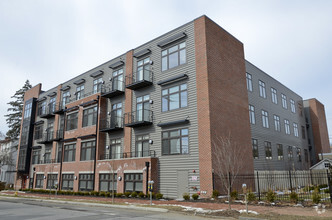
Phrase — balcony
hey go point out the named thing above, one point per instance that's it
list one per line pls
(139, 79)
(138, 118)
(113, 123)
(47, 161)
(47, 112)
(49, 137)
(58, 135)
(112, 89)
(59, 108)
(133, 154)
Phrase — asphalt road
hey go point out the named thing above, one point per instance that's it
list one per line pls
(19, 209)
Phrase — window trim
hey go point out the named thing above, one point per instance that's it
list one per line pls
(170, 138)
(177, 51)
(179, 95)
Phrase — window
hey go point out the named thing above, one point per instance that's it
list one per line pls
(252, 114)
(173, 57)
(35, 156)
(262, 92)
(274, 95)
(265, 119)
(59, 155)
(88, 150)
(89, 116)
(290, 153)
(143, 108)
(42, 108)
(86, 182)
(249, 82)
(254, 143)
(97, 85)
(298, 153)
(116, 115)
(79, 92)
(276, 122)
(108, 182)
(39, 181)
(292, 105)
(303, 132)
(306, 155)
(287, 128)
(67, 182)
(51, 105)
(69, 154)
(47, 155)
(38, 132)
(27, 110)
(24, 135)
(174, 98)
(72, 121)
(268, 150)
(327, 165)
(133, 182)
(284, 101)
(52, 181)
(280, 151)
(114, 152)
(142, 146)
(65, 98)
(296, 130)
(143, 70)
(117, 80)
(175, 142)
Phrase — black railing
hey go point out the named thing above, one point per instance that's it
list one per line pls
(47, 161)
(138, 118)
(47, 111)
(50, 136)
(58, 109)
(139, 79)
(112, 89)
(133, 154)
(110, 124)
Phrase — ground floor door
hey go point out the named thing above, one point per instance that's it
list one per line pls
(182, 183)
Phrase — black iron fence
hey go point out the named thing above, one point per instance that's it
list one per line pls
(133, 154)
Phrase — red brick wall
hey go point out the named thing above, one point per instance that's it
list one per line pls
(128, 102)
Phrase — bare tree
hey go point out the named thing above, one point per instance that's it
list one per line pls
(227, 160)
(6, 158)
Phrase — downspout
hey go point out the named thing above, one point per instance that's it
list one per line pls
(97, 135)
(62, 148)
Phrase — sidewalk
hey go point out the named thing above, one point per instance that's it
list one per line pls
(197, 207)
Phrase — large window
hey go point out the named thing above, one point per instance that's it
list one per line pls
(89, 116)
(143, 69)
(51, 105)
(175, 142)
(69, 154)
(35, 156)
(142, 146)
(65, 98)
(38, 132)
(133, 182)
(116, 115)
(174, 97)
(298, 154)
(42, 108)
(79, 92)
(108, 182)
(287, 127)
(262, 91)
(39, 181)
(252, 114)
(296, 130)
(86, 182)
(27, 110)
(284, 101)
(143, 108)
(117, 80)
(173, 57)
(47, 155)
(88, 150)
(274, 95)
(276, 122)
(265, 119)
(290, 153)
(254, 143)
(25, 135)
(268, 150)
(67, 182)
(114, 151)
(97, 85)
(72, 120)
(52, 181)
(292, 105)
(280, 151)
(249, 82)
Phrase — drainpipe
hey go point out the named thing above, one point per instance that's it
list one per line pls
(97, 135)
(63, 149)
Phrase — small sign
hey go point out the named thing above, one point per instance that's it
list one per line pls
(194, 178)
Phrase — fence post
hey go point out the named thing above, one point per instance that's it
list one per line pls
(259, 191)
(329, 183)
(290, 181)
(230, 182)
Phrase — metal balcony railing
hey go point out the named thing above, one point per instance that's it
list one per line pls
(47, 111)
(59, 108)
(47, 161)
(50, 136)
(111, 124)
(138, 118)
(133, 154)
(139, 79)
(112, 89)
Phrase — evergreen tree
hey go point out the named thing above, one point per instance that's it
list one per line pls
(14, 118)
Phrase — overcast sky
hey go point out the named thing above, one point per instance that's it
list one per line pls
(50, 42)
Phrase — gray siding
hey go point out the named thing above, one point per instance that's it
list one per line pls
(269, 134)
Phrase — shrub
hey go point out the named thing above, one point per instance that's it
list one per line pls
(195, 196)
(108, 194)
(153, 195)
(159, 195)
(141, 195)
(316, 196)
(119, 195)
(127, 194)
(271, 196)
(293, 197)
(251, 196)
(234, 195)
(134, 194)
(215, 194)
(94, 193)
(322, 186)
(186, 196)
(102, 193)
(326, 191)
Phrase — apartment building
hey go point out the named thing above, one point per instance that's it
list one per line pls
(154, 113)
(8, 156)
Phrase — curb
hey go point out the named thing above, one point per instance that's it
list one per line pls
(91, 204)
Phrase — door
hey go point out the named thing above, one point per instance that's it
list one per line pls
(182, 183)
(143, 108)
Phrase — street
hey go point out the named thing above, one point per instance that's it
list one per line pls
(13, 209)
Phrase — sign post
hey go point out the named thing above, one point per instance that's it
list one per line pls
(151, 182)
